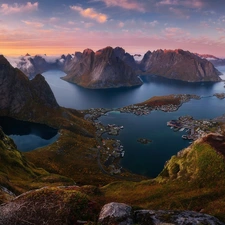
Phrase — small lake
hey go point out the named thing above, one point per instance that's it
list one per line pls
(139, 158)
(26, 135)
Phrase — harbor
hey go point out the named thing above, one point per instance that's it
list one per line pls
(194, 128)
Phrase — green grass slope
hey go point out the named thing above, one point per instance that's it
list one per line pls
(192, 180)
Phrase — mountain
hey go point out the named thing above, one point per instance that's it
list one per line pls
(179, 65)
(41, 63)
(19, 94)
(110, 68)
(102, 69)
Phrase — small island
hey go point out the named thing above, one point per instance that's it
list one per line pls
(144, 141)
(220, 95)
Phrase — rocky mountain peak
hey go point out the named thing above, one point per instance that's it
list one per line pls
(88, 51)
(102, 69)
(180, 65)
(4, 61)
(18, 92)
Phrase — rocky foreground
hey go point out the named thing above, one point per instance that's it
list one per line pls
(71, 205)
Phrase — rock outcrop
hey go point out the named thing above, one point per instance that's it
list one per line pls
(102, 69)
(179, 65)
(58, 205)
(122, 214)
(18, 93)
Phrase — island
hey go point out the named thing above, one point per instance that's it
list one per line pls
(144, 141)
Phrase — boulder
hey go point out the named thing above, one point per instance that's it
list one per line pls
(122, 214)
(116, 214)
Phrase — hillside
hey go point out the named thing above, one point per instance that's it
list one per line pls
(191, 182)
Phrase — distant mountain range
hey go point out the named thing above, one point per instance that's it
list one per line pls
(213, 59)
(114, 67)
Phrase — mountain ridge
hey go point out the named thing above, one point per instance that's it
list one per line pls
(90, 70)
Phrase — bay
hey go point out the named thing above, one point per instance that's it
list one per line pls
(143, 159)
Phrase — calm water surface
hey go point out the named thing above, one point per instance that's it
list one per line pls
(143, 159)
(26, 135)
(73, 96)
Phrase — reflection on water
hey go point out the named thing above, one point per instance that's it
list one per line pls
(73, 96)
(26, 135)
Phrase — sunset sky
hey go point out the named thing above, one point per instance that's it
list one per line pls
(66, 26)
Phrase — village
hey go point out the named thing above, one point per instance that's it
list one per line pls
(111, 150)
(145, 108)
(194, 128)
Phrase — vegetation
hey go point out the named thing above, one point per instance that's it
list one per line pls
(162, 100)
(192, 180)
(58, 205)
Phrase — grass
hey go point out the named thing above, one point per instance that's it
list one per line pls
(199, 188)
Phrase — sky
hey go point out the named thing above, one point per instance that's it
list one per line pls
(65, 26)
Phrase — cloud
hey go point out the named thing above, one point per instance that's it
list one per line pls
(33, 24)
(220, 30)
(186, 3)
(90, 13)
(179, 12)
(126, 4)
(154, 23)
(121, 24)
(54, 20)
(16, 8)
(174, 32)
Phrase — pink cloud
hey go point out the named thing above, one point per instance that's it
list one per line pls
(90, 13)
(34, 24)
(220, 30)
(121, 24)
(126, 4)
(16, 8)
(174, 32)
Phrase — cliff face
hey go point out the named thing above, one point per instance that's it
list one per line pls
(179, 65)
(17, 92)
(102, 69)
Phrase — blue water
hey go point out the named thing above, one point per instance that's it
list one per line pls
(26, 135)
(143, 159)
(149, 159)
(73, 96)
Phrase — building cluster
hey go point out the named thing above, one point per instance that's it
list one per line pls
(194, 128)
